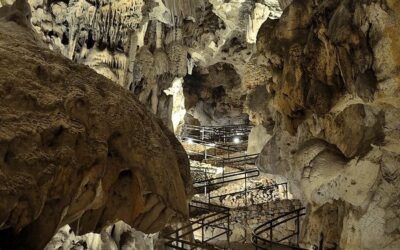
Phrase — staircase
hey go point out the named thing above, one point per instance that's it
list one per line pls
(263, 236)
(210, 224)
(206, 215)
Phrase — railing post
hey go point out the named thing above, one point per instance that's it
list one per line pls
(228, 232)
(202, 231)
(205, 182)
(286, 190)
(245, 188)
(223, 169)
(177, 238)
(297, 227)
(224, 134)
(270, 234)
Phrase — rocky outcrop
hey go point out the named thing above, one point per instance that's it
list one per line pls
(114, 237)
(212, 96)
(146, 45)
(333, 96)
(258, 137)
(77, 149)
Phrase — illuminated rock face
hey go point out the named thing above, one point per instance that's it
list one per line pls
(145, 45)
(321, 84)
(333, 97)
(77, 149)
(118, 236)
(94, 33)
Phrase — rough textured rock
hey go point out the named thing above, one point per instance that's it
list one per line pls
(258, 137)
(77, 149)
(211, 95)
(334, 94)
(324, 83)
(145, 45)
(118, 236)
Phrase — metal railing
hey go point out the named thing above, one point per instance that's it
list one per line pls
(269, 242)
(216, 217)
(232, 161)
(224, 134)
(207, 184)
(265, 188)
(216, 145)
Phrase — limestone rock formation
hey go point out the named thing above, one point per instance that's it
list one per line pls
(319, 80)
(145, 45)
(114, 237)
(258, 137)
(212, 95)
(333, 96)
(77, 149)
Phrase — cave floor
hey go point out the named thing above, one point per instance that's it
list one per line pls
(248, 209)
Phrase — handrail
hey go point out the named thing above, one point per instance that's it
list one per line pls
(263, 187)
(221, 146)
(209, 206)
(235, 160)
(203, 169)
(239, 157)
(267, 244)
(223, 134)
(220, 126)
(216, 216)
(227, 178)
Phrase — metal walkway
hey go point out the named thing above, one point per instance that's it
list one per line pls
(208, 184)
(234, 161)
(214, 134)
(210, 216)
(231, 139)
(263, 236)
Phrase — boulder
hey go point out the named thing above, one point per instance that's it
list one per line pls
(77, 149)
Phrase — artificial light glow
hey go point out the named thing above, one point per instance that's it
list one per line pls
(236, 140)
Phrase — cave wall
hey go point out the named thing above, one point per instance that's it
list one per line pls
(201, 46)
(77, 149)
(213, 97)
(333, 102)
(117, 236)
(145, 45)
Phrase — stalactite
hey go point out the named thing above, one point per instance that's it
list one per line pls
(158, 35)
(182, 8)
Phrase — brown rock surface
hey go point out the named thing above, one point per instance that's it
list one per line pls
(334, 101)
(74, 147)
